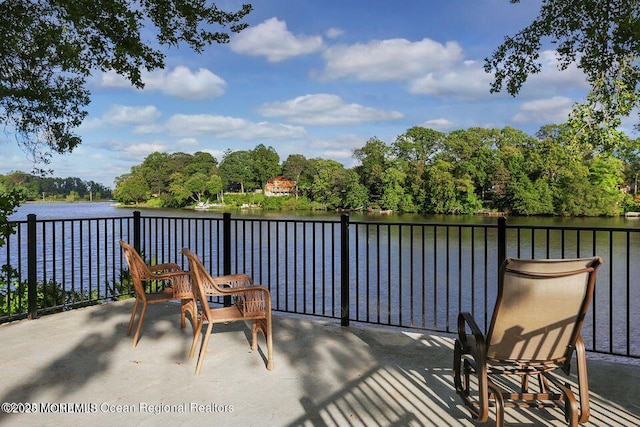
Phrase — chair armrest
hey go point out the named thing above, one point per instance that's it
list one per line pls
(165, 268)
(466, 319)
(253, 300)
(233, 281)
(243, 289)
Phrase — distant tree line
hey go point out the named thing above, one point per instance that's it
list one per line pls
(423, 170)
(34, 187)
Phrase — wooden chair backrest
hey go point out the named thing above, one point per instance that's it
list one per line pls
(540, 308)
(137, 267)
(205, 286)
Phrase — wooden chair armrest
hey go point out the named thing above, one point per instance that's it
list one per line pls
(167, 267)
(245, 289)
(233, 281)
(253, 300)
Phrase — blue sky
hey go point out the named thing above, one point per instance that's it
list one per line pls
(318, 78)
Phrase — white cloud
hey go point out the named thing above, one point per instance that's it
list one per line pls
(273, 40)
(334, 33)
(551, 110)
(339, 148)
(120, 115)
(188, 142)
(180, 83)
(392, 59)
(466, 80)
(184, 84)
(143, 149)
(325, 109)
(440, 124)
(190, 126)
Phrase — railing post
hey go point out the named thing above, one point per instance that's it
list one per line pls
(344, 270)
(226, 250)
(32, 270)
(136, 231)
(502, 240)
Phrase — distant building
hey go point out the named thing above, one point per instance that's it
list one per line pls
(280, 186)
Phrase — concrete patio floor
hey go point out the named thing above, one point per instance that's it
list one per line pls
(78, 368)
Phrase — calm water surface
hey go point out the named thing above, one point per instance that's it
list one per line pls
(109, 210)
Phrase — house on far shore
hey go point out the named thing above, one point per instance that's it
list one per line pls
(280, 186)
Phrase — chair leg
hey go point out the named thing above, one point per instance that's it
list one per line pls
(133, 316)
(139, 327)
(203, 348)
(457, 365)
(497, 393)
(196, 335)
(583, 381)
(188, 306)
(254, 334)
(268, 336)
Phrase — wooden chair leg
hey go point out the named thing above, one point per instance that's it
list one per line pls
(139, 327)
(254, 334)
(133, 316)
(203, 348)
(269, 339)
(188, 306)
(196, 336)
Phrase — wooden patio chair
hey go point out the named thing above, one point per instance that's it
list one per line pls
(534, 330)
(177, 287)
(249, 302)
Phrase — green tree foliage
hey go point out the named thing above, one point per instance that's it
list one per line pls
(323, 188)
(394, 195)
(442, 196)
(602, 38)
(48, 49)
(416, 150)
(131, 188)
(36, 187)
(236, 169)
(202, 162)
(472, 154)
(629, 153)
(374, 158)
(294, 168)
(266, 164)
(421, 171)
(198, 187)
(154, 170)
(10, 199)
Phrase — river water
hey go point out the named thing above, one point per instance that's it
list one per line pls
(109, 210)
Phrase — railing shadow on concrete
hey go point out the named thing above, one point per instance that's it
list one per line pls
(412, 385)
(336, 376)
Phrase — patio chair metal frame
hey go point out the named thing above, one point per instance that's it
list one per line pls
(171, 274)
(529, 347)
(249, 303)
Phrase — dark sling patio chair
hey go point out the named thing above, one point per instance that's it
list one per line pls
(177, 287)
(534, 330)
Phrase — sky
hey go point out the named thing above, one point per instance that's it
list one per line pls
(317, 78)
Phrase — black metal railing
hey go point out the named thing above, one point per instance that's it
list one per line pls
(418, 275)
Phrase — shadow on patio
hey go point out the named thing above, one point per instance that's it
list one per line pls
(79, 367)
